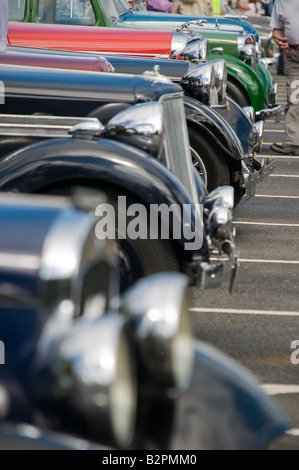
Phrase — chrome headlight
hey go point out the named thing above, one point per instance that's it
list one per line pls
(218, 207)
(249, 111)
(259, 49)
(247, 48)
(87, 379)
(200, 83)
(221, 77)
(140, 126)
(188, 46)
(4, 402)
(256, 136)
(158, 306)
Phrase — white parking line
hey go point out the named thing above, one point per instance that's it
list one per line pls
(284, 176)
(245, 311)
(293, 432)
(277, 157)
(268, 143)
(271, 224)
(275, 130)
(277, 197)
(279, 389)
(274, 122)
(273, 261)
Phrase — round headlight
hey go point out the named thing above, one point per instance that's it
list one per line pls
(141, 126)
(200, 83)
(158, 306)
(88, 381)
(221, 77)
(249, 111)
(256, 136)
(247, 48)
(188, 46)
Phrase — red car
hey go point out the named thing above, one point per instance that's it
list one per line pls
(168, 44)
(91, 64)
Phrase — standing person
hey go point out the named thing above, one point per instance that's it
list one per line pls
(3, 24)
(193, 7)
(268, 7)
(284, 23)
(248, 6)
(159, 5)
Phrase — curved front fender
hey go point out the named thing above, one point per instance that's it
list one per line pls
(211, 124)
(96, 163)
(246, 77)
(224, 408)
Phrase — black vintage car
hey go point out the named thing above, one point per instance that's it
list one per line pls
(223, 150)
(84, 368)
(139, 154)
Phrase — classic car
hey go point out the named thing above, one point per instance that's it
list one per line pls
(247, 45)
(85, 368)
(214, 147)
(119, 13)
(248, 87)
(149, 164)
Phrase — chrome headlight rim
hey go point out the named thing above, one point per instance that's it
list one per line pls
(189, 46)
(256, 136)
(90, 374)
(201, 83)
(250, 113)
(163, 330)
(141, 126)
(259, 49)
(246, 45)
(221, 77)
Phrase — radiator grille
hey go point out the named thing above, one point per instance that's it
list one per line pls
(38, 126)
(177, 146)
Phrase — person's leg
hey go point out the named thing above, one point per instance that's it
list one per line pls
(280, 64)
(3, 24)
(291, 144)
(292, 110)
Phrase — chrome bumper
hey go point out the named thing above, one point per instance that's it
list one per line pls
(268, 113)
(215, 274)
(251, 179)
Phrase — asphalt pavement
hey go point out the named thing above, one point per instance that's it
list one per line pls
(259, 321)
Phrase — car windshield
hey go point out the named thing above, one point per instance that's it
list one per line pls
(66, 12)
(16, 10)
(114, 8)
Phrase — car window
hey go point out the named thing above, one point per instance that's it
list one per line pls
(16, 10)
(113, 8)
(66, 12)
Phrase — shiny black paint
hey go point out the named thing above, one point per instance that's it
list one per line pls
(81, 98)
(246, 418)
(34, 225)
(217, 129)
(34, 89)
(96, 163)
(237, 119)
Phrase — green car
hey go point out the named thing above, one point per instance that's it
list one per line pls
(235, 41)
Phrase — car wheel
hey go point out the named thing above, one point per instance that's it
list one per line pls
(140, 257)
(236, 93)
(211, 167)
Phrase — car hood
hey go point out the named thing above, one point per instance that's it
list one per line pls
(151, 19)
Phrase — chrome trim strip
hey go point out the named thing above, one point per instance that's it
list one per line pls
(268, 113)
(19, 261)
